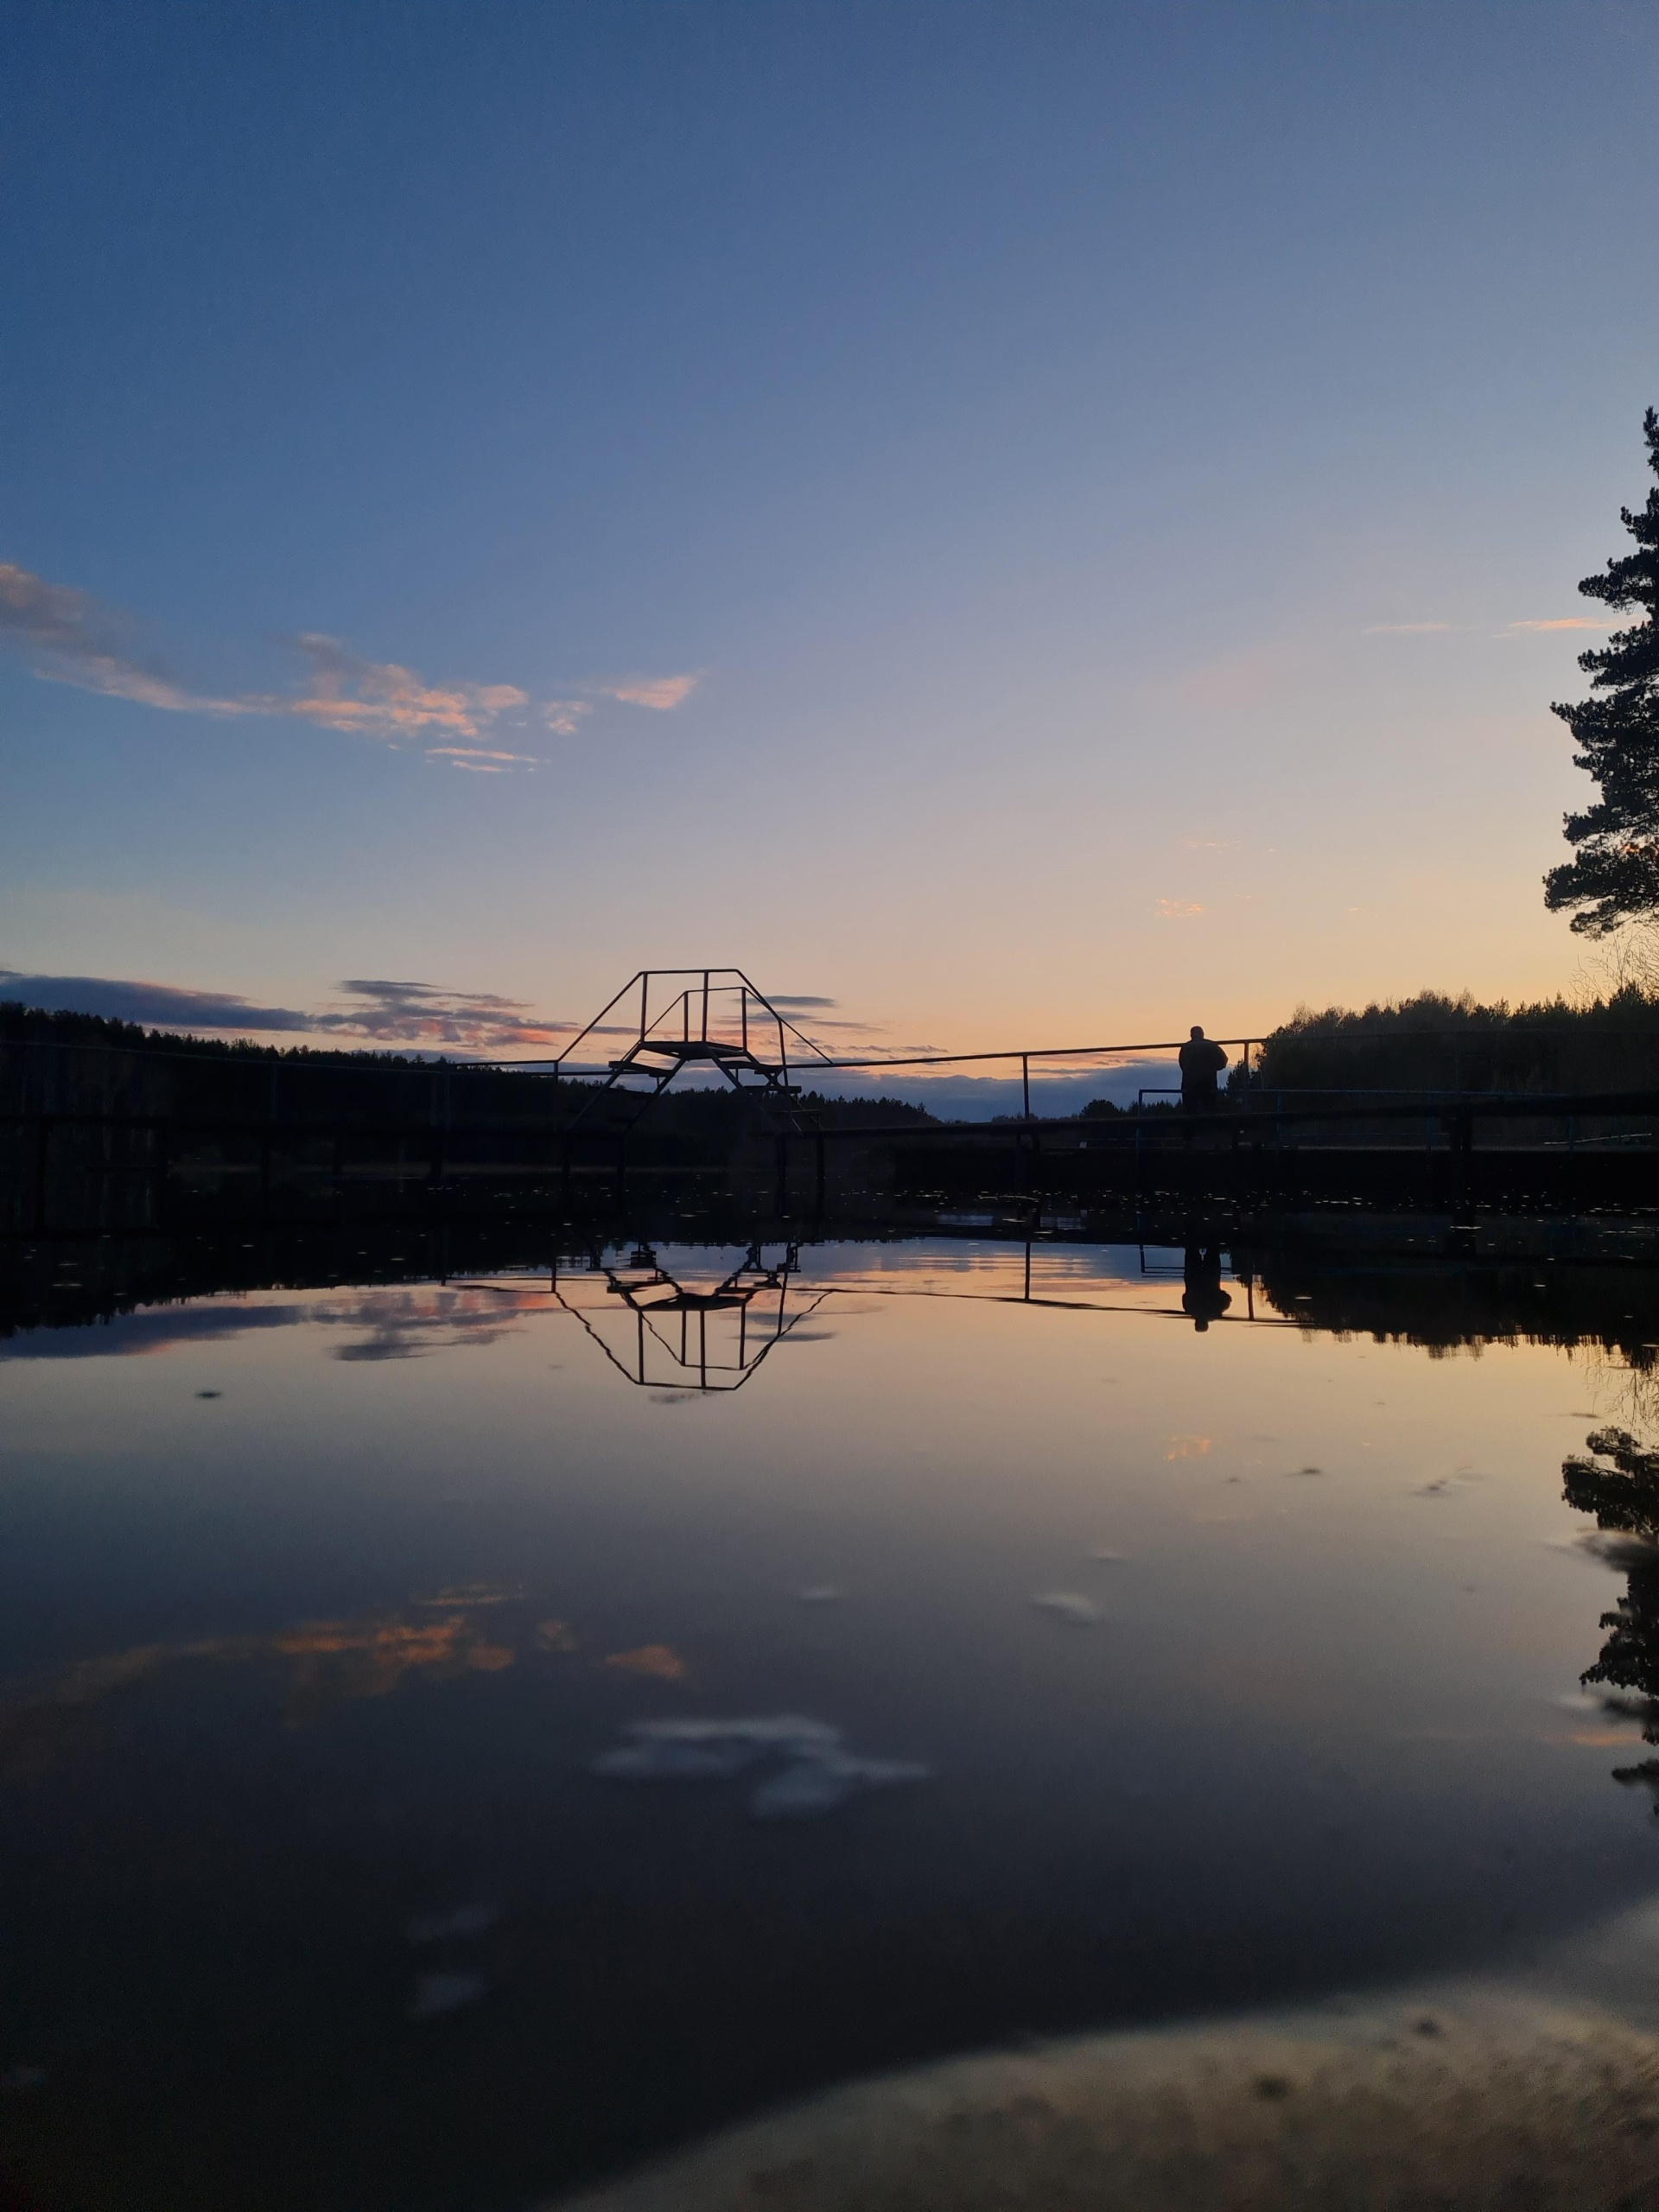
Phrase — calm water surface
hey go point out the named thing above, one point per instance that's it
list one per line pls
(440, 1765)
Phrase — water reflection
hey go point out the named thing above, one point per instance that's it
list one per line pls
(324, 1663)
(1623, 1496)
(682, 1338)
(443, 1775)
(1202, 1295)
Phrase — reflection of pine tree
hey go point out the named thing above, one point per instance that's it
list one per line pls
(1624, 1499)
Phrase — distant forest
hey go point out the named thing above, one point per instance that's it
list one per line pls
(1427, 1043)
(1434, 1042)
(686, 1112)
(20, 1024)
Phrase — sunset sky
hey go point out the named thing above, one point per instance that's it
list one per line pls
(1027, 522)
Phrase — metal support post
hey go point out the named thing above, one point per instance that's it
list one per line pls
(42, 1152)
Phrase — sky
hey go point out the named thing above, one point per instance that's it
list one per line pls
(1015, 524)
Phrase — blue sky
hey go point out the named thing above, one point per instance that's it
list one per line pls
(1028, 521)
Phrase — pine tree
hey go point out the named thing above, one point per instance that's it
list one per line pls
(1615, 875)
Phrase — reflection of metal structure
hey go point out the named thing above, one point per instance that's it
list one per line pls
(671, 1344)
(691, 1017)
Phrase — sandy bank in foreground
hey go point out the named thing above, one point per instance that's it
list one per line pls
(1479, 2098)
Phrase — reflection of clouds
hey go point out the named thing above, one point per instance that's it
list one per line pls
(399, 1321)
(337, 1663)
(402, 1324)
(327, 1662)
(474, 1594)
(811, 1771)
(659, 1661)
(132, 1335)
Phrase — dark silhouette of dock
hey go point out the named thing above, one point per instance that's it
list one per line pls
(117, 1137)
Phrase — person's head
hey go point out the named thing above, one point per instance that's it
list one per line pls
(1197, 1032)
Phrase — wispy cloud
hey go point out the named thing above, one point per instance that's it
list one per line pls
(69, 637)
(1178, 910)
(381, 699)
(815, 1013)
(476, 756)
(1560, 622)
(429, 1014)
(662, 692)
(158, 1006)
(374, 1012)
(1509, 629)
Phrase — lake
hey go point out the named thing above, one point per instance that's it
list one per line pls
(461, 1736)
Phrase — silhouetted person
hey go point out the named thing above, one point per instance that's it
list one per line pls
(1201, 1063)
(1204, 1297)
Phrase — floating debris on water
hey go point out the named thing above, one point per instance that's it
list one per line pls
(815, 1773)
(466, 1919)
(1068, 1605)
(436, 1994)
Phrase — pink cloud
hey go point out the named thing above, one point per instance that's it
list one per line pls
(662, 692)
(1561, 622)
(381, 699)
(70, 638)
(1178, 910)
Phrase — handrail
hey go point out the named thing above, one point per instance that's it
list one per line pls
(363, 1061)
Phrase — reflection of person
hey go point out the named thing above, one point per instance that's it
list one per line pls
(1204, 1297)
(1201, 1063)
